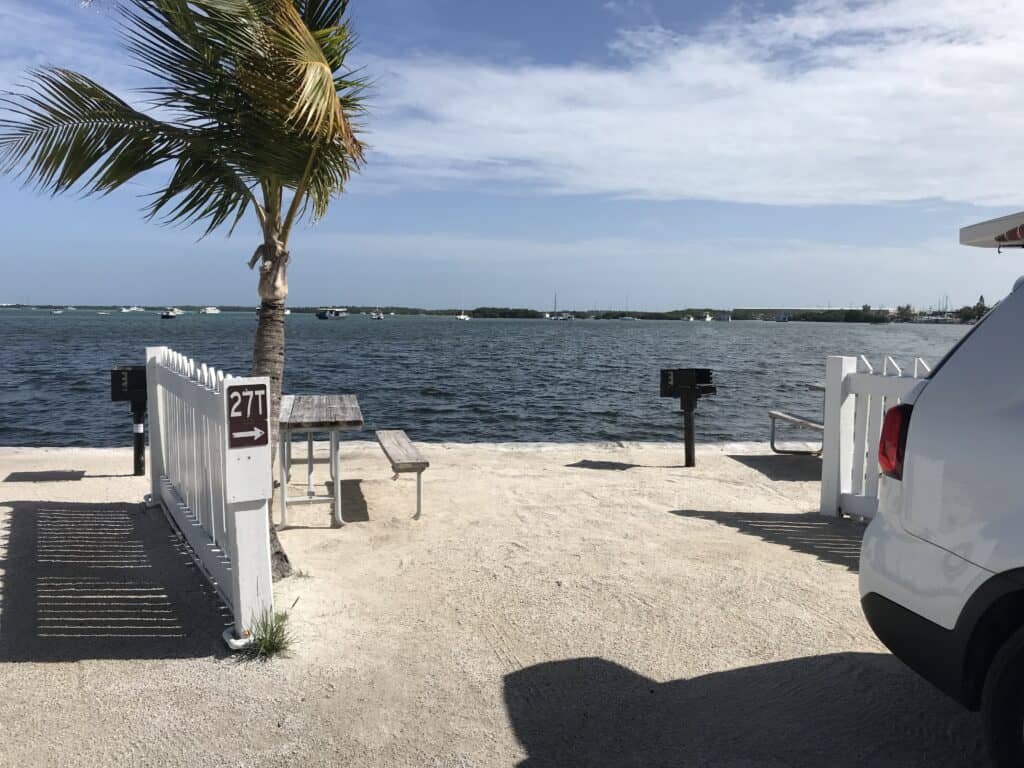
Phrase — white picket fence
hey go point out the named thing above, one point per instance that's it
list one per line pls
(217, 496)
(856, 398)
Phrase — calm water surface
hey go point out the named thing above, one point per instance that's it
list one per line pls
(444, 380)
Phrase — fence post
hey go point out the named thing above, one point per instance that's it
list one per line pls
(154, 355)
(837, 443)
(252, 589)
(247, 490)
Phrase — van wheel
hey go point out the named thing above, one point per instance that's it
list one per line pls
(1002, 704)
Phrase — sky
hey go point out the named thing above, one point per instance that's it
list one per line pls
(649, 154)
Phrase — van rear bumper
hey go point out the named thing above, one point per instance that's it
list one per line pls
(935, 653)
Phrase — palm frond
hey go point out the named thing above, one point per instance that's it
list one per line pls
(65, 129)
(252, 95)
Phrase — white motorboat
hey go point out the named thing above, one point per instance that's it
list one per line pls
(209, 311)
(332, 313)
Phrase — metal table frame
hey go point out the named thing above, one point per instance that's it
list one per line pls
(287, 428)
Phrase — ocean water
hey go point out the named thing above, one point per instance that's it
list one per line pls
(445, 380)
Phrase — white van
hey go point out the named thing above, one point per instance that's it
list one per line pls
(942, 563)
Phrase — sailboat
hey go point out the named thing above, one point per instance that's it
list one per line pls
(463, 316)
(377, 314)
(556, 316)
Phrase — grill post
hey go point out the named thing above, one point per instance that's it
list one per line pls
(689, 385)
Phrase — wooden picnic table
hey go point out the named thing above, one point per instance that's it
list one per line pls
(333, 414)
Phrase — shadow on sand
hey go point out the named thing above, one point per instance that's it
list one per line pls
(353, 503)
(830, 539)
(786, 468)
(836, 711)
(101, 581)
(616, 466)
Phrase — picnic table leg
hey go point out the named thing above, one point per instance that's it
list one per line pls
(336, 472)
(309, 463)
(419, 493)
(288, 437)
(283, 471)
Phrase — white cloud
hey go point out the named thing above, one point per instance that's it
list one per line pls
(833, 102)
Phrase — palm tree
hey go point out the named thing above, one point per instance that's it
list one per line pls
(252, 108)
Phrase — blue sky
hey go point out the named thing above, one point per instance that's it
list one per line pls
(672, 153)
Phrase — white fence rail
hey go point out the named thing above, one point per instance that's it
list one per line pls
(215, 494)
(856, 398)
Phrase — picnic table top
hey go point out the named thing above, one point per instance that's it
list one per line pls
(320, 412)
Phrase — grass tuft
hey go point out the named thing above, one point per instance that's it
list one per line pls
(270, 636)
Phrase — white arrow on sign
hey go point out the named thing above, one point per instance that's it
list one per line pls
(255, 433)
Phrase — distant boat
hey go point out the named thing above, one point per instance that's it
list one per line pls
(377, 315)
(463, 316)
(556, 315)
(172, 311)
(132, 309)
(332, 313)
(102, 312)
(56, 311)
(71, 309)
(723, 317)
(391, 314)
(689, 318)
(209, 311)
(168, 314)
(627, 317)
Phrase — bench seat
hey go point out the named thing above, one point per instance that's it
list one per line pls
(404, 457)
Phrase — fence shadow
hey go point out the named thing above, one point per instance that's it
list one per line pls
(830, 539)
(848, 709)
(101, 581)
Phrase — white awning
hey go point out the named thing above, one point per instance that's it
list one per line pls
(1004, 232)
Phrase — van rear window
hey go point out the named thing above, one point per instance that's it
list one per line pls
(960, 343)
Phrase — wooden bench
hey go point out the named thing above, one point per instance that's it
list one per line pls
(799, 422)
(404, 457)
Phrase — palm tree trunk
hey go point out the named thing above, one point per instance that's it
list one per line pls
(268, 360)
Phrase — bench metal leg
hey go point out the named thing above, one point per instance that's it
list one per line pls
(288, 436)
(282, 468)
(309, 463)
(788, 451)
(419, 494)
(336, 479)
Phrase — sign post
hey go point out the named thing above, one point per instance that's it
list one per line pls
(247, 488)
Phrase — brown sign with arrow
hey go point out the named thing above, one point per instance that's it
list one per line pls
(248, 408)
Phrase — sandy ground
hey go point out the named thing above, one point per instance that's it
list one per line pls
(582, 605)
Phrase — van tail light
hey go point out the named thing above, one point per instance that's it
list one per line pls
(894, 440)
